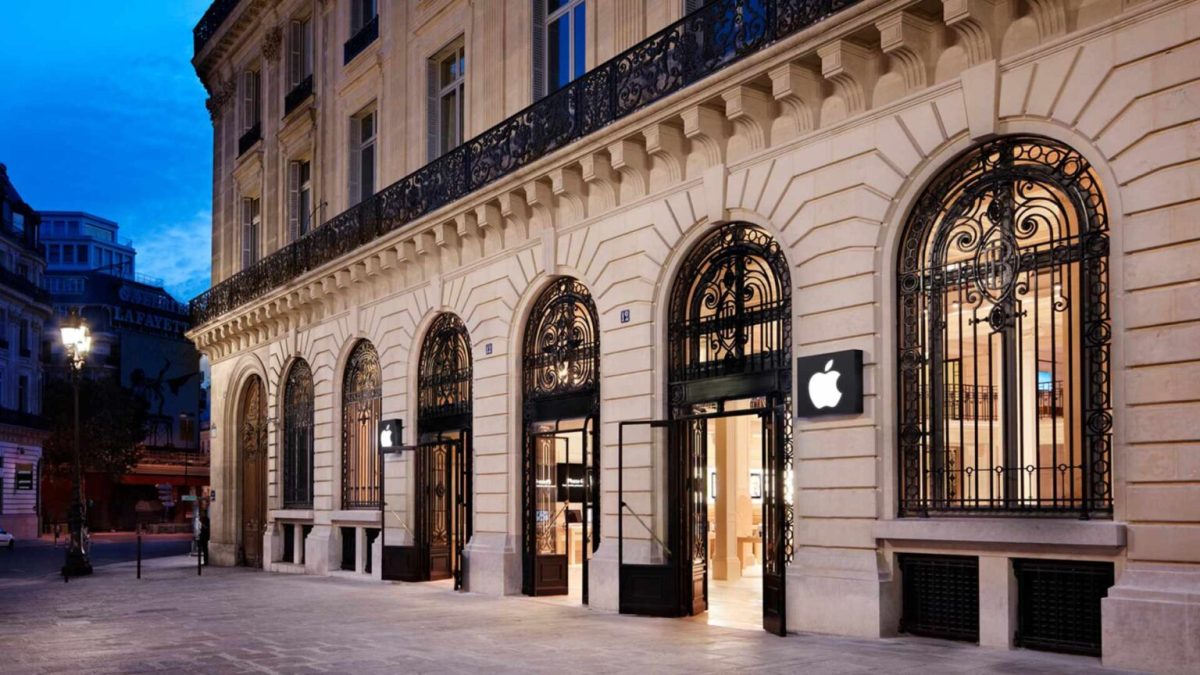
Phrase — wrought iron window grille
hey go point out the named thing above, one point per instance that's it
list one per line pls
(299, 94)
(247, 140)
(1004, 387)
(940, 596)
(361, 40)
(362, 398)
(298, 436)
(702, 43)
(444, 376)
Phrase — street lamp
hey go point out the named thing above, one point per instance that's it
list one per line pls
(78, 343)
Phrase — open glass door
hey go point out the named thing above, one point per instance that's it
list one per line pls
(564, 490)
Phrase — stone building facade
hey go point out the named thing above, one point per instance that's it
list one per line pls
(992, 204)
(24, 310)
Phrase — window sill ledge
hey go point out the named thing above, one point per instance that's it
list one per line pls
(1023, 531)
(292, 514)
(355, 516)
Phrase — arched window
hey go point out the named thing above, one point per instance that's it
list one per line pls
(730, 310)
(361, 409)
(562, 343)
(298, 436)
(1004, 335)
(444, 376)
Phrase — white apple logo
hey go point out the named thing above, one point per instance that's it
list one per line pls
(385, 437)
(823, 389)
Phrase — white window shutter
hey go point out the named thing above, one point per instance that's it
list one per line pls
(255, 94)
(294, 200)
(247, 100)
(247, 224)
(306, 49)
(433, 129)
(538, 46)
(355, 161)
(295, 52)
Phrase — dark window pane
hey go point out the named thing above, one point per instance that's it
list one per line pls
(580, 39)
(553, 5)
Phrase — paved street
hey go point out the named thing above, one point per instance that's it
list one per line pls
(237, 620)
(37, 558)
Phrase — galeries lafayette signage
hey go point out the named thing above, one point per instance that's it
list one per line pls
(148, 320)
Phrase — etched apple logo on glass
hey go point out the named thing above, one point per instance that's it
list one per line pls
(823, 389)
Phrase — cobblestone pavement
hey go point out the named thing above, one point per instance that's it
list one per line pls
(237, 620)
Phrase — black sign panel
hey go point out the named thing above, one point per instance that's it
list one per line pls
(23, 477)
(830, 384)
(572, 482)
(391, 435)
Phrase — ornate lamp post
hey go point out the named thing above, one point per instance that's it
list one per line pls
(77, 343)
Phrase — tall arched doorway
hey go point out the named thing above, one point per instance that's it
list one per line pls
(561, 459)
(728, 439)
(442, 466)
(252, 461)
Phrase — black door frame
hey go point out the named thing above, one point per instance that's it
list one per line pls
(669, 589)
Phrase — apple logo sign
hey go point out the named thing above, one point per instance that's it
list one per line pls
(835, 384)
(823, 389)
(385, 437)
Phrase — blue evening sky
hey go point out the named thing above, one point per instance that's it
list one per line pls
(102, 112)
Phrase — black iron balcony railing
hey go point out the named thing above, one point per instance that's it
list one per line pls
(702, 43)
(299, 94)
(365, 36)
(211, 22)
(21, 419)
(248, 139)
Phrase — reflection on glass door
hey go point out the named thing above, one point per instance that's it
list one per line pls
(564, 505)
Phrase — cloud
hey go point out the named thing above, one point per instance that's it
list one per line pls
(178, 253)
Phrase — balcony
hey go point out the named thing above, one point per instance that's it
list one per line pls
(16, 282)
(248, 139)
(211, 22)
(699, 45)
(21, 419)
(299, 94)
(364, 37)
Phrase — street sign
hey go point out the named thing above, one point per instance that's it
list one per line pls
(188, 498)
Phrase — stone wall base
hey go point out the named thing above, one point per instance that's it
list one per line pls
(21, 526)
(840, 593)
(492, 564)
(1151, 620)
(223, 554)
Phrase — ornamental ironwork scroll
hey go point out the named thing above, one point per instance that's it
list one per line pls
(252, 447)
(444, 376)
(700, 44)
(730, 317)
(1004, 327)
(298, 436)
(362, 399)
(562, 343)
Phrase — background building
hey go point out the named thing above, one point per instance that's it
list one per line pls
(138, 337)
(24, 310)
(574, 245)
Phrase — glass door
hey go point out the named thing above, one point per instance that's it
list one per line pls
(565, 517)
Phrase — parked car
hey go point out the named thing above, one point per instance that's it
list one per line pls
(7, 539)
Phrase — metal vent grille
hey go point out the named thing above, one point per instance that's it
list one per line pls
(1059, 604)
(941, 596)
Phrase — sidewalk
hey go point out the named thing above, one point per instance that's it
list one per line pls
(239, 620)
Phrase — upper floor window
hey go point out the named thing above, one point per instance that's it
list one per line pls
(300, 51)
(300, 208)
(251, 231)
(251, 100)
(690, 6)
(559, 44)
(364, 27)
(1004, 336)
(23, 393)
(447, 75)
(300, 64)
(362, 155)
